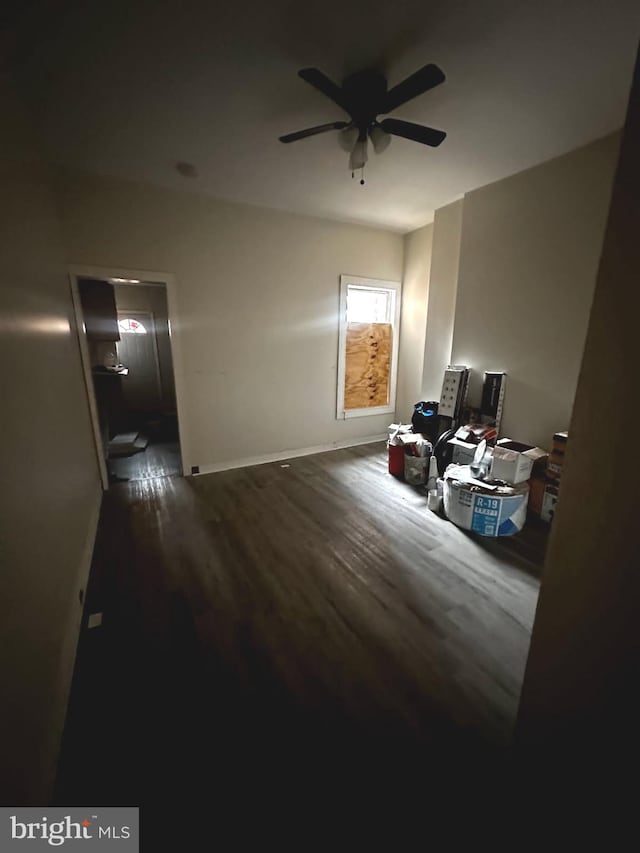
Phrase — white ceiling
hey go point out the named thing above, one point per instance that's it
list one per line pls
(140, 85)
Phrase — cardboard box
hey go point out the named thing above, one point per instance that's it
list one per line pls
(476, 433)
(537, 486)
(554, 466)
(407, 438)
(396, 430)
(463, 451)
(549, 501)
(560, 441)
(515, 462)
(556, 457)
(493, 396)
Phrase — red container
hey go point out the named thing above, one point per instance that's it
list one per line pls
(396, 460)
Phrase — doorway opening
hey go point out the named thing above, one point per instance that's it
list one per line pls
(125, 342)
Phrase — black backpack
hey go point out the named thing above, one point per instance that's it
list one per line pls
(425, 419)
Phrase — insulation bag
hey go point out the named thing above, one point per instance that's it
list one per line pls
(483, 508)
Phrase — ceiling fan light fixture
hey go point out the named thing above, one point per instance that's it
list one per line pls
(359, 155)
(347, 138)
(380, 139)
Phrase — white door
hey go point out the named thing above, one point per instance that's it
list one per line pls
(138, 351)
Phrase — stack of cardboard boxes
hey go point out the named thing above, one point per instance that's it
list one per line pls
(544, 490)
(493, 505)
(553, 475)
(466, 440)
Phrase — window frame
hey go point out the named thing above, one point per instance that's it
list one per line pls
(395, 287)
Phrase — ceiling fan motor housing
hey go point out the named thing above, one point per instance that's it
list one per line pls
(365, 90)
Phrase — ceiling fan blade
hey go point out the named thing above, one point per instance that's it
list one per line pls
(321, 82)
(312, 131)
(421, 81)
(415, 132)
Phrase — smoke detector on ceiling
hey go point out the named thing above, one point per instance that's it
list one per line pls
(187, 170)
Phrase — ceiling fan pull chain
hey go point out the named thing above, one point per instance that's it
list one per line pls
(362, 177)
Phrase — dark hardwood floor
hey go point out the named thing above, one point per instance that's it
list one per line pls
(158, 459)
(304, 622)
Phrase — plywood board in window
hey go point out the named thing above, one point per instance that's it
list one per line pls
(367, 365)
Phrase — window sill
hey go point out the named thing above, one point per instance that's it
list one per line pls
(363, 413)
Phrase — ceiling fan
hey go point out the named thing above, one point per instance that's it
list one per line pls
(364, 96)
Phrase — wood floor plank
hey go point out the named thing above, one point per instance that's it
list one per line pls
(158, 459)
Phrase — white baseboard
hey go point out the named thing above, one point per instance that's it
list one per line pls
(289, 454)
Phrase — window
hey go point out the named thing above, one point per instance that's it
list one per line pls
(130, 326)
(368, 354)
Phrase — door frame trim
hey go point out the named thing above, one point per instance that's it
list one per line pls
(145, 277)
(85, 360)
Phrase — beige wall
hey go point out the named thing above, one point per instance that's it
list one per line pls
(257, 300)
(49, 484)
(580, 702)
(443, 284)
(413, 322)
(528, 260)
